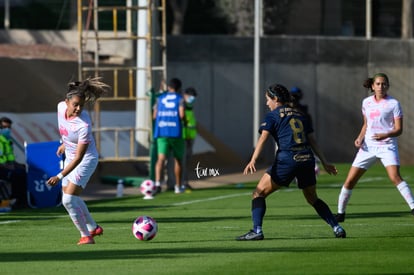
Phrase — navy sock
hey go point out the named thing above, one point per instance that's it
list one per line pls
(258, 212)
(324, 212)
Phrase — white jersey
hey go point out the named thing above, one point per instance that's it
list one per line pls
(380, 117)
(74, 131)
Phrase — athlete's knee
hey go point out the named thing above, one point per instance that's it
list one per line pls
(67, 200)
(265, 187)
(261, 192)
(257, 193)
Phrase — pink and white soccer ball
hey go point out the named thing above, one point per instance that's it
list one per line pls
(148, 188)
(144, 228)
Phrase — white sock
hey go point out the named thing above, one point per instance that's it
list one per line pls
(157, 183)
(406, 193)
(72, 205)
(343, 199)
(90, 222)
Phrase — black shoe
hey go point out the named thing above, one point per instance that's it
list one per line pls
(158, 189)
(340, 217)
(339, 232)
(251, 236)
(412, 211)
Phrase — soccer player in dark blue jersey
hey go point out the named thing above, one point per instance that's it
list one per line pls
(296, 146)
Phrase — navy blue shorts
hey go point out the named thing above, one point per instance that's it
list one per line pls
(290, 165)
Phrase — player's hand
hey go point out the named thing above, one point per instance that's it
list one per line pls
(61, 150)
(250, 168)
(330, 169)
(52, 181)
(379, 136)
(358, 142)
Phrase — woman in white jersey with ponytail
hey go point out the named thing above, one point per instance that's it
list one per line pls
(81, 156)
(383, 123)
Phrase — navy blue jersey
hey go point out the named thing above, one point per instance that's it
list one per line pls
(289, 127)
(294, 158)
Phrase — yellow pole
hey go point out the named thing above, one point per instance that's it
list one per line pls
(115, 21)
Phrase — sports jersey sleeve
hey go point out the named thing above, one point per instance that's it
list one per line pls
(398, 110)
(364, 102)
(84, 134)
(268, 123)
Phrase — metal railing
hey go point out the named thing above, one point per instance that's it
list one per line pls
(123, 78)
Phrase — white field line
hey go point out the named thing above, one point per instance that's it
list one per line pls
(40, 218)
(369, 179)
(210, 199)
(7, 222)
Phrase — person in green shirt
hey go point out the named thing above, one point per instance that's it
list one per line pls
(189, 129)
(10, 170)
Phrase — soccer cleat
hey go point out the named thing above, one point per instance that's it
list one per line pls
(339, 232)
(97, 231)
(251, 236)
(340, 217)
(86, 240)
(412, 211)
(157, 189)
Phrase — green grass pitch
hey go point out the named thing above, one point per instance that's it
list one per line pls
(197, 231)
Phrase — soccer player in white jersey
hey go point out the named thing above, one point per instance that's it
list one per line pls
(383, 123)
(81, 156)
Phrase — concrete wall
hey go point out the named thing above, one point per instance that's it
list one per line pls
(330, 71)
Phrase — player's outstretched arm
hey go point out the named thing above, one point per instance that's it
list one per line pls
(360, 139)
(330, 168)
(251, 166)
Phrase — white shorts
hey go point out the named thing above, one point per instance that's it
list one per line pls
(82, 173)
(367, 156)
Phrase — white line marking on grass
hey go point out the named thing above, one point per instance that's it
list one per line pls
(380, 224)
(210, 199)
(312, 225)
(7, 222)
(369, 179)
(38, 219)
(225, 197)
(372, 179)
